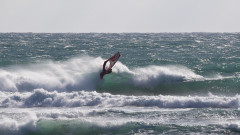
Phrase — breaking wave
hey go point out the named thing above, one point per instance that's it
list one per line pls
(75, 74)
(82, 73)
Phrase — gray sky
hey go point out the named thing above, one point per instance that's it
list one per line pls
(119, 16)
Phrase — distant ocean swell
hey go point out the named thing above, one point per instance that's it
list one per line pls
(82, 73)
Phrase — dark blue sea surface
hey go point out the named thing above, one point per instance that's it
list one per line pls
(163, 83)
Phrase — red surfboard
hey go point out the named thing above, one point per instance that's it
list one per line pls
(111, 61)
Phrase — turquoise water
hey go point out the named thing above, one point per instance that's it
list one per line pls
(164, 83)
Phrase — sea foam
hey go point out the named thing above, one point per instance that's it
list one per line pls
(44, 98)
(74, 74)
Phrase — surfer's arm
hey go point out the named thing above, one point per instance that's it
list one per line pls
(104, 64)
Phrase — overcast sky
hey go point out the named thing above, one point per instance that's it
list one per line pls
(119, 16)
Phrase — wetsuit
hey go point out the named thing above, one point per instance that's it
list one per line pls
(104, 70)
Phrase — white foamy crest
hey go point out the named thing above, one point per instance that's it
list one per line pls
(12, 125)
(74, 74)
(43, 98)
(153, 75)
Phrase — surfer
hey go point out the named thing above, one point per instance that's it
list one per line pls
(104, 70)
(111, 61)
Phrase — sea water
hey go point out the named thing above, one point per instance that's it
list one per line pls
(163, 83)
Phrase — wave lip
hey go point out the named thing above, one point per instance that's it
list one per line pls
(43, 98)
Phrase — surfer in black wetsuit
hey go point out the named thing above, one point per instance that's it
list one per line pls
(104, 70)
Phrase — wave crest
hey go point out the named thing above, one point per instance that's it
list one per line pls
(151, 76)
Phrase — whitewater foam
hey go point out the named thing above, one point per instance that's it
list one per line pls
(151, 76)
(82, 73)
(74, 74)
(29, 120)
(12, 125)
(44, 98)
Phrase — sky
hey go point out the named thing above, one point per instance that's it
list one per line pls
(118, 16)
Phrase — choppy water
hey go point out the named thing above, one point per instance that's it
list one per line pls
(164, 83)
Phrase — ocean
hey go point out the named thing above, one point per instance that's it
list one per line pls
(163, 83)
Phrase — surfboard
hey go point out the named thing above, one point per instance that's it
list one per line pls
(111, 61)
